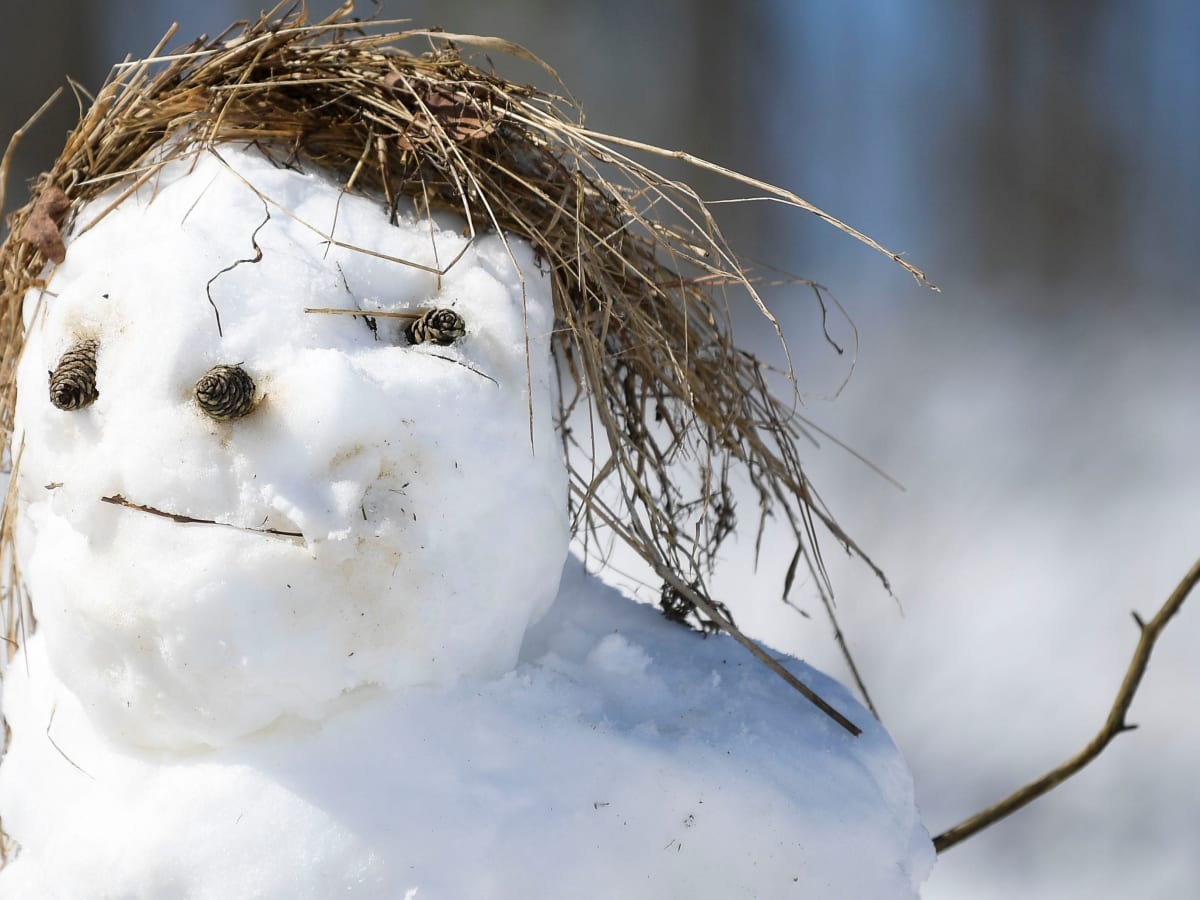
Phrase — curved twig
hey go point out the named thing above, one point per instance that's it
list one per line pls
(1114, 725)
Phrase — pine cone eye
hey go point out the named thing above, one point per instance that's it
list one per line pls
(436, 326)
(73, 381)
(225, 392)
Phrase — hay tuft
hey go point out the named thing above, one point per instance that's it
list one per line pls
(641, 274)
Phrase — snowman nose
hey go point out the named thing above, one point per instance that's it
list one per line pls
(225, 392)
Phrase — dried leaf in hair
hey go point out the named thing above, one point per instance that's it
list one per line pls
(41, 228)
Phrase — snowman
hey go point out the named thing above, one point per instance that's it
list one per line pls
(290, 501)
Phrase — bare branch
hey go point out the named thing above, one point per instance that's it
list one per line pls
(1114, 725)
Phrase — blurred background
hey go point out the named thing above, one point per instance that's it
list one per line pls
(1040, 160)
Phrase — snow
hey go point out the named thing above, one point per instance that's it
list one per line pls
(373, 449)
(401, 700)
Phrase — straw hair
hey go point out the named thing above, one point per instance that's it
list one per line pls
(660, 408)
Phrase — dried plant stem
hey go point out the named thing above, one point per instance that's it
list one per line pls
(759, 653)
(775, 193)
(1115, 724)
(634, 536)
(839, 637)
(16, 615)
(6, 160)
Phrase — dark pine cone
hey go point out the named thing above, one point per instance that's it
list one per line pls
(437, 326)
(73, 381)
(225, 392)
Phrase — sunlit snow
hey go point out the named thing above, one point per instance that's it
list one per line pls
(347, 671)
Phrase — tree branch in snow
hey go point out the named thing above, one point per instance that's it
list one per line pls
(1114, 725)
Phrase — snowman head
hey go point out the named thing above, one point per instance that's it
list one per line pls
(268, 492)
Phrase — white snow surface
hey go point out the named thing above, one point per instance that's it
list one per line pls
(434, 529)
(393, 704)
(622, 757)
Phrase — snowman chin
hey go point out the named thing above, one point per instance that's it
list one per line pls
(378, 515)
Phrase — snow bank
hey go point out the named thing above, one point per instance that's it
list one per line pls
(623, 757)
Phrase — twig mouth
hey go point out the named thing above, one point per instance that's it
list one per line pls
(118, 500)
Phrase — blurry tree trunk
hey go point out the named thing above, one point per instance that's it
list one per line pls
(1049, 176)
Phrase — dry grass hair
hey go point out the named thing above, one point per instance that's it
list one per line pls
(641, 274)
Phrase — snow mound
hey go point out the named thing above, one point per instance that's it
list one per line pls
(622, 757)
(388, 514)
